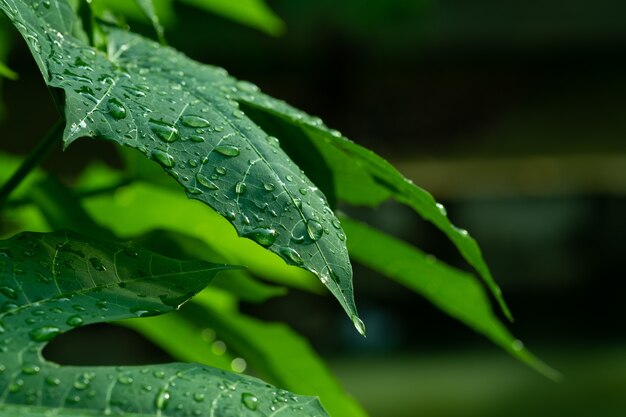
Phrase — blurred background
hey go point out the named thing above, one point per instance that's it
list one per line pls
(513, 114)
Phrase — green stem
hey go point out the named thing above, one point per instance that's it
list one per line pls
(32, 161)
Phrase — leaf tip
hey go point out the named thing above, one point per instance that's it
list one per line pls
(359, 325)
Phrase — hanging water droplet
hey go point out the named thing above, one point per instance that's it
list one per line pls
(165, 159)
(165, 131)
(358, 323)
(442, 209)
(194, 121)
(250, 401)
(314, 229)
(241, 188)
(227, 150)
(116, 109)
(291, 254)
(45, 333)
(264, 236)
(206, 182)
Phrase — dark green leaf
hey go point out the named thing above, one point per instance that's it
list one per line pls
(52, 283)
(455, 292)
(362, 177)
(183, 115)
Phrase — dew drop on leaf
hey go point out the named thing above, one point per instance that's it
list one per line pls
(162, 400)
(291, 254)
(74, 321)
(227, 150)
(165, 131)
(250, 401)
(241, 188)
(45, 333)
(116, 109)
(97, 264)
(314, 229)
(203, 180)
(194, 121)
(165, 159)
(9, 292)
(264, 236)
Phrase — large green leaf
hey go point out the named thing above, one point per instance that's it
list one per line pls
(182, 114)
(455, 292)
(360, 176)
(52, 283)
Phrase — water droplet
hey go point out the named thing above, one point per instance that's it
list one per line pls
(196, 138)
(74, 321)
(9, 292)
(162, 399)
(517, 345)
(45, 333)
(159, 374)
(442, 209)
(249, 401)
(241, 188)
(165, 131)
(221, 170)
(198, 397)
(202, 180)
(291, 254)
(227, 150)
(303, 191)
(239, 114)
(165, 159)
(336, 224)
(358, 323)
(314, 229)
(52, 381)
(116, 109)
(31, 369)
(194, 121)
(97, 264)
(125, 379)
(264, 236)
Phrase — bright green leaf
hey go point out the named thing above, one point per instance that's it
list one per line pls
(182, 115)
(455, 292)
(55, 282)
(254, 13)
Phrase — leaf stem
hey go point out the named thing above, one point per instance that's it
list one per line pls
(33, 160)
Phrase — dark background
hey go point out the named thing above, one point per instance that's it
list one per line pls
(513, 115)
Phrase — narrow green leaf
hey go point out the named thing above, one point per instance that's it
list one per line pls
(254, 13)
(182, 115)
(55, 282)
(147, 6)
(7, 72)
(455, 292)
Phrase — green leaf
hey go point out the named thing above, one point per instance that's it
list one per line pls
(363, 178)
(147, 6)
(55, 282)
(271, 350)
(63, 210)
(182, 115)
(254, 13)
(7, 72)
(455, 292)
